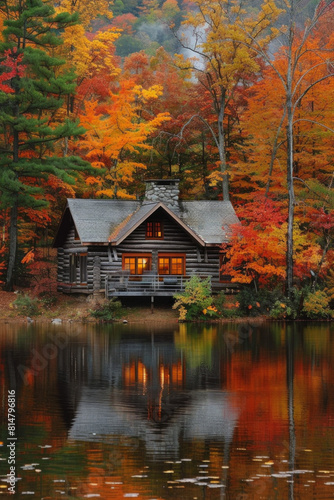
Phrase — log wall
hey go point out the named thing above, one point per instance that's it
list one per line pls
(176, 240)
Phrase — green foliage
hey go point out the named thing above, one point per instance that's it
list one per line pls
(127, 45)
(118, 8)
(26, 305)
(271, 303)
(196, 301)
(317, 305)
(48, 299)
(108, 311)
(303, 303)
(282, 310)
(219, 301)
(33, 116)
(257, 303)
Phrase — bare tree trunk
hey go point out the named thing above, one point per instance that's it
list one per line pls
(291, 205)
(13, 233)
(290, 158)
(273, 154)
(222, 151)
(12, 246)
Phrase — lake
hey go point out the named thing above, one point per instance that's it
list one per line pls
(231, 411)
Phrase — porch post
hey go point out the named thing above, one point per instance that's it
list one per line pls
(96, 275)
(155, 261)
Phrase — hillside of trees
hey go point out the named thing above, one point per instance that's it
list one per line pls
(236, 101)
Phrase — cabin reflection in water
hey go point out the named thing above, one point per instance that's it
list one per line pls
(144, 389)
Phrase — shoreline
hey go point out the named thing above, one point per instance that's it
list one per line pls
(76, 309)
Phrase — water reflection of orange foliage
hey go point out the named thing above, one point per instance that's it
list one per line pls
(116, 485)
(266, 387)
(36, 400)
(262, 385)
(263, 396)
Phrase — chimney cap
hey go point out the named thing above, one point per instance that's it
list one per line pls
(163, 182)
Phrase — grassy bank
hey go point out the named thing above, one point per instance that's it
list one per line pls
(76, 308)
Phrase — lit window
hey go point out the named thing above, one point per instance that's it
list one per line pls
(171, 264)
(154, 230)
(137, 264)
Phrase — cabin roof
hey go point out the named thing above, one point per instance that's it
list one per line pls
(103, 221)
(143, 213)
(211, 220)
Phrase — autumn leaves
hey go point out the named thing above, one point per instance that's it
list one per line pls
(249, 117)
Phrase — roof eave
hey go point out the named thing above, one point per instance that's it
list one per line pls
(95, 243)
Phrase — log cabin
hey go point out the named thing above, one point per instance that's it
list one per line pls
(149, 247)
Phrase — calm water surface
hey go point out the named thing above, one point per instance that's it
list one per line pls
(187, 412)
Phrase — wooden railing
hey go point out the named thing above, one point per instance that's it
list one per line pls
(122, 283)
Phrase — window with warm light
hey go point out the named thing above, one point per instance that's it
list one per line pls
(137, 263)
(154, 230)
(171, 264)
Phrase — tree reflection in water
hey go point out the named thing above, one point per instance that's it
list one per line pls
(220, 411)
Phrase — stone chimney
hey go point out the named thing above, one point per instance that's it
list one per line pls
(164, 190)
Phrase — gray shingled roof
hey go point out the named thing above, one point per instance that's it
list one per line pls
(209, 219)
(95, 220)
(100, 221)
(141, 214)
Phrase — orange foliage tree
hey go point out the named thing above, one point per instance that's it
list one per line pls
(169, 155)
(299, 67)
(257, 250)
(115, 131)
(301, 72)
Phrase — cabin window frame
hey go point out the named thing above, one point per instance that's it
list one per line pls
(78, 268)
(154, 230)
(170, 256)
(136, 256)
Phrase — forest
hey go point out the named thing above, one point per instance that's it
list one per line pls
(233, 98)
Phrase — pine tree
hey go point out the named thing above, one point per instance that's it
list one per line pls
(33, 115)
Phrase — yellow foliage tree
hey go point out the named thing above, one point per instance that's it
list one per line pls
(87, 10)
(220, 34)
(87, 54)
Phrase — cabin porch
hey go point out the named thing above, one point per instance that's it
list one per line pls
(150, 284)
(123, 284)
